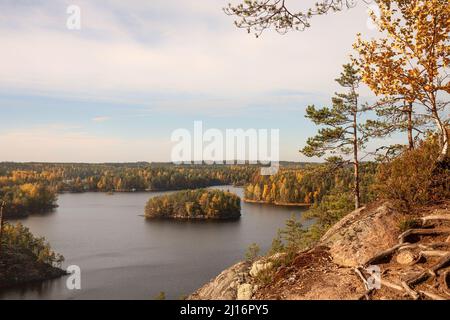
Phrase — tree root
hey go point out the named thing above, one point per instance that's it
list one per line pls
(436, 245)
(404, 287)
(430, 272)
(384, 254)
(369, 290)
(391, 285)
(436, 217)
(433, 253)
(445, 280)
(422, 232)
(432, 295)
(418, 252)
(415, 246)
(414, 295)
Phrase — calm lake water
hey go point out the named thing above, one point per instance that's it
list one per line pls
(124, 256)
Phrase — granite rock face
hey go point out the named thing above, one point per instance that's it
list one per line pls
(361, 234)
(225, 285)
(326, 271)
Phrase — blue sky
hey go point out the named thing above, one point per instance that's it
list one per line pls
(137, 70)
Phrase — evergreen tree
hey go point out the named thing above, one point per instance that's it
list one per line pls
(340, 132)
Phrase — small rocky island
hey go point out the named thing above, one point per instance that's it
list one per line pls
(200, 204)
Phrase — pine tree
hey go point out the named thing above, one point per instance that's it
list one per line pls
(340, 133)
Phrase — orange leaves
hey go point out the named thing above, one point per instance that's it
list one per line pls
(416, 45)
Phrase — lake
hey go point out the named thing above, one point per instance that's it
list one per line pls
(124, 256)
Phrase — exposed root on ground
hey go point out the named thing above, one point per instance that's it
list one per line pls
(421, 268)
(414, 264)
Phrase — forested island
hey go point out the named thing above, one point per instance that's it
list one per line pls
(200, 204)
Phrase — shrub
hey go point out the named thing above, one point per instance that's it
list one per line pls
(252, 252)
(161, 296)
(292, 238)
(415, 177)
(408, 223)
(332, 208)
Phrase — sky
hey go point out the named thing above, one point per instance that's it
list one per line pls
(137, 70)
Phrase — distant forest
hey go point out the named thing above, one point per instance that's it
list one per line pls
(33, 187)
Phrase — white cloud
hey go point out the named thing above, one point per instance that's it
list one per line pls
(158, 46)
(155, 54)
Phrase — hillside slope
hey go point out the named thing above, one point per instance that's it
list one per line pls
(413, 264)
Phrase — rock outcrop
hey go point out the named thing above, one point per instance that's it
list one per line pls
(338, 267)
(225, 285)
(361, 234)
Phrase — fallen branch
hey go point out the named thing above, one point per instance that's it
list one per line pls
(442, 263)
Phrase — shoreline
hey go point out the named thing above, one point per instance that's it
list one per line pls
(281, 204)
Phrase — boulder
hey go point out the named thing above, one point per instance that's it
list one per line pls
(406, 257)
(362, 234)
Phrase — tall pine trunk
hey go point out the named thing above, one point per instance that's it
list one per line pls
(356, 162)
